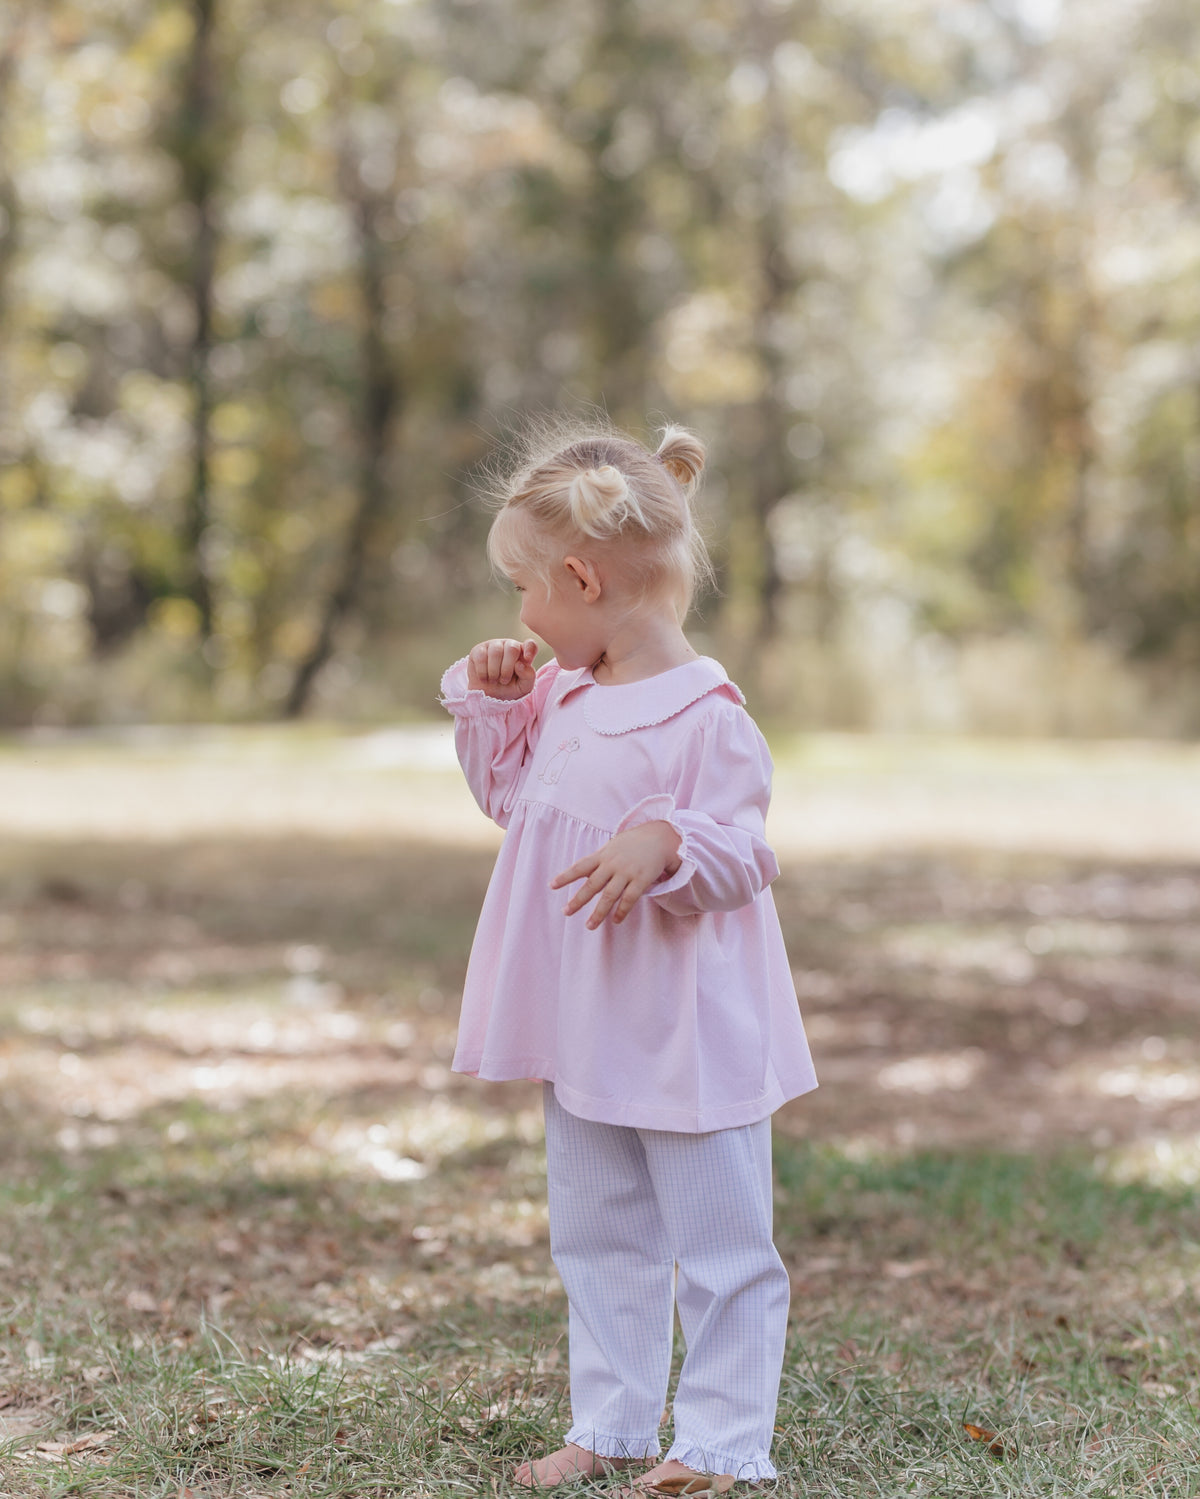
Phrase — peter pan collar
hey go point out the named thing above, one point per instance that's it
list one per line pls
(640, 705)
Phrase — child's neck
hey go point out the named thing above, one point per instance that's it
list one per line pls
(644, 646)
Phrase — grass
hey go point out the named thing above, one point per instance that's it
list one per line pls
(232, 1330)
(258, 1240)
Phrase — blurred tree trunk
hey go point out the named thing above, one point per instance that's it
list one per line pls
(770, 471)
(380, 398)
(196, 148)
(772, 476)
(1075, 437)
(1077, 443)
(612, 215)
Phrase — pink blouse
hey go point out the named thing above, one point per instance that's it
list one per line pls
(684, 1017)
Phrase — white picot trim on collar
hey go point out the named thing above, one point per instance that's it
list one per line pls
(639, 705)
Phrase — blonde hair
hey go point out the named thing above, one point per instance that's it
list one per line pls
(603, 490)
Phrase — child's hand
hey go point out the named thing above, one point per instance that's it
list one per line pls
(502, 668)
(621, 872)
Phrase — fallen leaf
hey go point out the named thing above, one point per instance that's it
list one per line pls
(77, 1444)
(995, 1444)
(22, 1421)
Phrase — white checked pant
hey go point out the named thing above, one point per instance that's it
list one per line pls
(626, 1207)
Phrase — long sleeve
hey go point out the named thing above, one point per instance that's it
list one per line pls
(726, 861)
(683, 1017)
(494, 737)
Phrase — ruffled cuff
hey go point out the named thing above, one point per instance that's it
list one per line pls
(469, 702)
(661, 808)
(605, 1445)
(692, 1455)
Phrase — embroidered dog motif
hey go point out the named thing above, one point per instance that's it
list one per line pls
(557, 763)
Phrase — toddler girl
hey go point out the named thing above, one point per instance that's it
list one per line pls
(656, 1002)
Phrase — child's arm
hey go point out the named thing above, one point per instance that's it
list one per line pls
(706, 836)
(718, 804)
(496, 698)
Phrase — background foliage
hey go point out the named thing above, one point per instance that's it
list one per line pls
(273, 279)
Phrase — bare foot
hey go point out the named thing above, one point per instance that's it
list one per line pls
(568, 1462)
(673, 1477)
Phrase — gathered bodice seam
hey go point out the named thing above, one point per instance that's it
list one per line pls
(583, 822)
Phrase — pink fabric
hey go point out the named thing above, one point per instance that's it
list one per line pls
(684, 1017)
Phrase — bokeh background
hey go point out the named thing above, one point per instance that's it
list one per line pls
(275, 278)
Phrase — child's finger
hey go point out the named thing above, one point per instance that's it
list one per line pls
(500, 651)
(630, 896)
(591, 887)
(578, 871)
(477, 662)
(495, 652)
(609, 897)
(511, 657)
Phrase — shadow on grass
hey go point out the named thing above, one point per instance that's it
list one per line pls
(233, 1150)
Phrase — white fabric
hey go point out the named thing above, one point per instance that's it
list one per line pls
(626, 1206)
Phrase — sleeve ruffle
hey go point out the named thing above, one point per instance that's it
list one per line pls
(661, 808)
(726, 860)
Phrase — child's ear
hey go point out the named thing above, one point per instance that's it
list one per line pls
(584, 577)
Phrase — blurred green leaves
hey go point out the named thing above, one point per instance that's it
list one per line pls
(273, 279)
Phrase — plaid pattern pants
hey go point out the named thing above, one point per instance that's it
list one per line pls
(629, 1206)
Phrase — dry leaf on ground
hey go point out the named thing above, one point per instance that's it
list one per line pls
(995, 1443)
(22, 1420)
(69, 1448)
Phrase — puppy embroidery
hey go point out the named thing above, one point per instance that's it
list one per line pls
(557, 763)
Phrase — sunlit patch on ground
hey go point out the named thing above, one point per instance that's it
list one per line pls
(1165, 1162)
(945, 1072)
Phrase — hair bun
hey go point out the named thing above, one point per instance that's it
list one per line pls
(601, 501)
(681, 453)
